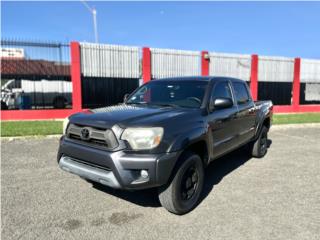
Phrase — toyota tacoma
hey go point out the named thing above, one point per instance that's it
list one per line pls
(164, 135)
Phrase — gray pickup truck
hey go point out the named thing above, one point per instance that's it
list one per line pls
(164, 135)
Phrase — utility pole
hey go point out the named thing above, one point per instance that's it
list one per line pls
(93, 11)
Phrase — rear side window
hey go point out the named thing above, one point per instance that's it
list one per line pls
(221, 90)
(241, 93)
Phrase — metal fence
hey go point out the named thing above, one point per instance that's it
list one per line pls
(35, 75)
(310, 81)
(114, 61)
(101, 92)
(174, 63)
(275, 69)
(230, 65)
(275, 76)
(310, 71)
(108, 73)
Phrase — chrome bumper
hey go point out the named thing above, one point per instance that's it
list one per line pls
(88, 172)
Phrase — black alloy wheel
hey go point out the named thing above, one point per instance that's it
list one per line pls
(189, 183)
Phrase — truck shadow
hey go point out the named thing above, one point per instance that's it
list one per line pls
(144, 198)
(221, 167)
(214, 173)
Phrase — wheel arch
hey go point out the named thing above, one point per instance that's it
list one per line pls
(264, 122)
(199, 147)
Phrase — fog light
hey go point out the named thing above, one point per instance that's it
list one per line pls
(144, 174)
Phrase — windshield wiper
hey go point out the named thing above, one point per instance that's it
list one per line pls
(136, 103)
(166, 105)
(155, 104)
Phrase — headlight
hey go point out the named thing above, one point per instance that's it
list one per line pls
(143, 138)
(65, 125)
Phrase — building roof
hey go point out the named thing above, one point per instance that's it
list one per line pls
(33, 67)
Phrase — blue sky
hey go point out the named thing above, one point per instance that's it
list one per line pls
(267, 28)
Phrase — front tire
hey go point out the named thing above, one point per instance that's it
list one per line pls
(181, 195)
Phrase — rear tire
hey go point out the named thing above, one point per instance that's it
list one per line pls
(259, 148)
(182, 193)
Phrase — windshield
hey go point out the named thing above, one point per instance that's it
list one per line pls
(177, 93)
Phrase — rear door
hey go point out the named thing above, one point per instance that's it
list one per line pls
(246, 116)
(222, 121)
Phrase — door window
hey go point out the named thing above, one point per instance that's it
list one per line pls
(221, 90)
(241, 93)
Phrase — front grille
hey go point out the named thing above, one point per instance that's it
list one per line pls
(95, 137)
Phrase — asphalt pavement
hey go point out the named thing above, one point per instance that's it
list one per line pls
(277, 197)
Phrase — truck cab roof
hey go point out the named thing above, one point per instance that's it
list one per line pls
(200, 78)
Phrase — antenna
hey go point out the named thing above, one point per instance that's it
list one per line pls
(93, 11)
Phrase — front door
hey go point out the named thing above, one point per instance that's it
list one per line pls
(222, 121)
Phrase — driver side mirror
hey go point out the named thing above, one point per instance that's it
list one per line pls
(125, 97)
(220, 103)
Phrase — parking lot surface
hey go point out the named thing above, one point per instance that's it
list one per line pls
(277, 197)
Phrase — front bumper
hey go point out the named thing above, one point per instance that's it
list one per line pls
(116, 169)
(88, 172)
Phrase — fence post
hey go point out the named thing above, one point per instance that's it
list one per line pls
(254, 76)
(296, 84)
(146, 64)
(76, 76)
(205, 60)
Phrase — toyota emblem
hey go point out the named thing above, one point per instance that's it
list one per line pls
(85, 134)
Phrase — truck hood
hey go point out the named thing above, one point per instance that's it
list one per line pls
(129, 115)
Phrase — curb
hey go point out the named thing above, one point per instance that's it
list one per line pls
(56, 136)
(294, 125)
